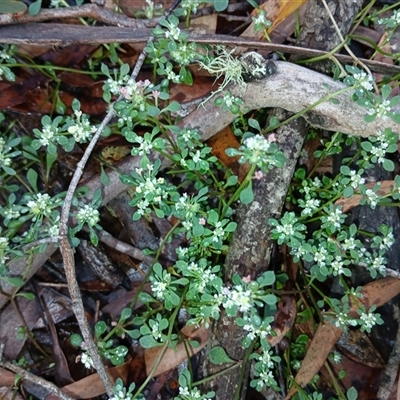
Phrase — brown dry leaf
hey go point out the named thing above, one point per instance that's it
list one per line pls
(357, 346)
(62, 374)
(276, 11)
(7, 393)
(223, 140)
(206, 24)
(350, 202)
(6, 377)
(92, 386)
(173, 357)
(378, 293)
(284, 319)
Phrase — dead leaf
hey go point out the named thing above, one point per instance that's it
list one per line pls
(92, 386)
(173, 357)
(357, 346)
(6, 377)
(350, 202)
(375, 293)
(62, 375)
(276, 11)
(284, 319)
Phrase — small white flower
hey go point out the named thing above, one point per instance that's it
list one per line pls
(368, 321)
(356, 179)
(337, 266)
(364, 80)
(89, 215)
(86, 360)
(372, 198)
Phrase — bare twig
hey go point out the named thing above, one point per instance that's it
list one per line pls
(123, 247)
(353, 56)
(83, 11)
(53, 389)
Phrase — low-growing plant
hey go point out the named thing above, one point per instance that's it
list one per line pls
(203, 205)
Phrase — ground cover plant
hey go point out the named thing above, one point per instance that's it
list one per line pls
(187, 195)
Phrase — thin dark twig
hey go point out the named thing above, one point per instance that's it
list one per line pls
(66, 249)
(53, 389)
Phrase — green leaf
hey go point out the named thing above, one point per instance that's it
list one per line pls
(254, 124)
(348, 192)
(8, 170)
(388, 165)
(18, 282)
(220, 5)
(173, 107)
(35, 7)
(100, 328)
(93, 236)
(352, 394)
(76, 340)
(104, 179)
(148, 342)
(232, 181)
(32, 178)
(219, 356)
(60, 106)
(246, 195)
(124, 70)
(12, 7)
(28, 296)
(126, 313)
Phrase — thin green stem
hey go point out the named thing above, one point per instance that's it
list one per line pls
(236, 195)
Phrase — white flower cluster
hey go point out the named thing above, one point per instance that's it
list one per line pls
(258, 144)
(82, 130)
(343, 320)
(257, 332)
(186, 208)
(173, 32)
(88, 214)
(381, 109)
(41, 204)
(237, 297)
(379, 147)
(3, 249)
(184, 53)
(335, 217)
(3, 158)
(47, 134)
(193, 394)
(372, 198)
(367, 321)
(190, 5)
(86, 360)
(356, 179)
(261, 20)
(309, 205)
(134, 92)
(337, 266)
(151, 187)
(201, 276)
(364, 80)
(159, 287)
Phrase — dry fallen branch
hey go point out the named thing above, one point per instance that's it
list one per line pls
(51, 34)
(83, 11)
